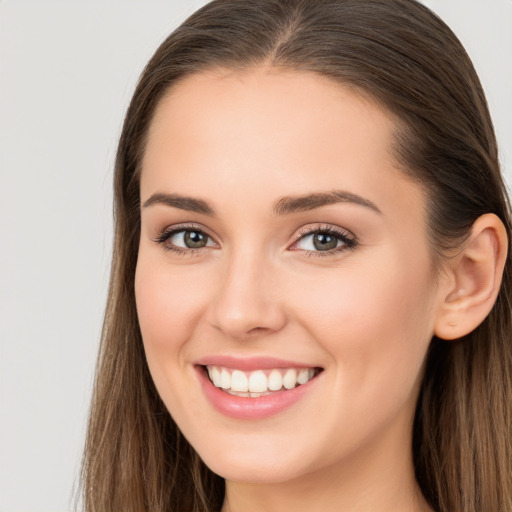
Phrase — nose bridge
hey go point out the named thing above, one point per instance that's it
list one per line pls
(246, 302)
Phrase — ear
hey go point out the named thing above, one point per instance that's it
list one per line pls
(471, 283)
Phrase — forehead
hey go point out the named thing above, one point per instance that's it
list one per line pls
(264, 102)
(239, 131)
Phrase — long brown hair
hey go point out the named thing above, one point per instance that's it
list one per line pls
(407, 59)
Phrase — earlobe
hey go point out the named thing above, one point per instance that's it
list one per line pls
(473, 279)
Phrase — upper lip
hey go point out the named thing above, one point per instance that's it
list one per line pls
(250, 363)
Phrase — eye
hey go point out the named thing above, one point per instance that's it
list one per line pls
(189, 239)
(182, 240)
(325, 240)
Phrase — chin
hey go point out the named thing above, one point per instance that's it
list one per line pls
(270, 473)
(254, 466)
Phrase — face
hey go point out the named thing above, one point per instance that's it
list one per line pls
(282, 252)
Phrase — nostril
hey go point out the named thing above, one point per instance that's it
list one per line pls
(257, 330)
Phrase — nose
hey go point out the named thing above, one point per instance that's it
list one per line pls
(247, 301)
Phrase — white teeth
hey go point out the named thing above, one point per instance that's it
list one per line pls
(214, 374)
(275, 380)
(246, 394)
(259, 382)
(239, 381)
(289, 379)
(225, 379)
(303, 376)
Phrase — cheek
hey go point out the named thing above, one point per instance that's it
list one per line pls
(375, 321)
(168, 303)
(381, 294)
(169, 306)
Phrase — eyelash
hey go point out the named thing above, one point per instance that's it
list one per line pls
(168, 233)
(348, 240)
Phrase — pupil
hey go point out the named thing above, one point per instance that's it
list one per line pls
(194, 240)
(324, 242)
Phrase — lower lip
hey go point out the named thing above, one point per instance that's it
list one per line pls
(245, 408)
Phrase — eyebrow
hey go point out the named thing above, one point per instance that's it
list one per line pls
(190, 204)
(283, 206)
(294, 204)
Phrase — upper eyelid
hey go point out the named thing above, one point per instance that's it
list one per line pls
(176, 228)
(335, 230)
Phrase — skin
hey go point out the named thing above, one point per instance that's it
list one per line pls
(241, 141)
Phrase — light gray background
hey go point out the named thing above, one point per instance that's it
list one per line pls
(67, 70)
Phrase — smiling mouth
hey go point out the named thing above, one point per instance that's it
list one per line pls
(259, 382)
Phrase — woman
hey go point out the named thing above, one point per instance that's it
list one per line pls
(309, 302)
